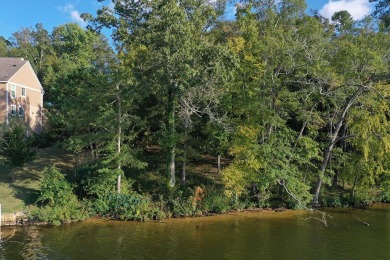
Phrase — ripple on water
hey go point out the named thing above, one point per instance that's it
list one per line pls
(259, 235)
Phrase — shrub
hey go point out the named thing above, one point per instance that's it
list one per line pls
(101, 182)
(44, 139)
(129, 207)
(332, 200)
(181, 207)
(335, 197)
(16, 144)
(364, 197)
(58, 204)
(188, 202)
(215, 201)
(385, 187)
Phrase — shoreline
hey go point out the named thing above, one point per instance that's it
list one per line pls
(22, 218)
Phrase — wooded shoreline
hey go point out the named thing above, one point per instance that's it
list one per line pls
(22, 218)
(187, 113)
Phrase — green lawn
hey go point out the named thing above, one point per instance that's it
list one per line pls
(21, 190)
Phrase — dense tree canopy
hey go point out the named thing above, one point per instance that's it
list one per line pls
(293, 102)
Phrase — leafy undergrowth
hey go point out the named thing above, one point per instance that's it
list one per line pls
(339, 197)
(202, 195)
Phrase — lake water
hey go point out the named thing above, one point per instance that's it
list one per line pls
(248, 235)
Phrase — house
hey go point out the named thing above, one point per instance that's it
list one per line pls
(21, 93)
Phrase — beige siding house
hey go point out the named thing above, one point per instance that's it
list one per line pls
(21, 93)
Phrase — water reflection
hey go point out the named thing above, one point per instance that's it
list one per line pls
(260, 235)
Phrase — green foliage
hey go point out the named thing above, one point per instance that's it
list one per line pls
(182, 206)
(16, 144)
(215, 201)
(343, 20)
(292, 99)
(4, 44)
(199, 201)
(336, 197)
(98, 182)
(365, 196)
(287, 99)
(57, 202)
(246, 165)
(301, 194)
(385, 187)
(129, 207)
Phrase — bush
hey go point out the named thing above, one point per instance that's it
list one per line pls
(44, 139)
(59, 215)
(365, 197)
(128, 207)
(385, 187)
(182, 207)
(336, 197)
(16, 144)
(57, 202)
(100, 182)
(215, 201)
(332, 200)
(188, 202)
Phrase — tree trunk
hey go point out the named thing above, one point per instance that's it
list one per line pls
(118, 183)
(171, 133)
(183, 172)
(119, 179)
(335, 179)
(184, 166)
(344, 148)
(302, 130)
(219, 164)
(333, 141)
(354, 187)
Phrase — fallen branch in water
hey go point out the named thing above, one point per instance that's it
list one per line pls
(311, 210)
(322, 219)
(365, 223)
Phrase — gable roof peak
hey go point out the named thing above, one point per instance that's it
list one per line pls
(9, 66)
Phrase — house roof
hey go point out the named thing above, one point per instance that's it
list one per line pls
(9, 66)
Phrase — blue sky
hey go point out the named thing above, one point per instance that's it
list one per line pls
(18, 14)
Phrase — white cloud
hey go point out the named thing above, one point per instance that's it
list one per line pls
(357, 8)
(74, 14)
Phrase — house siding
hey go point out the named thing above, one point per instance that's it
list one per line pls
(32, 102)
(3, 102)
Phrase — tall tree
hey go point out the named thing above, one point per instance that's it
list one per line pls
(343, 20)
(4, 47)
(44, 50)
(174, 36)
(279, 49)
(22, 42)
(359, 63)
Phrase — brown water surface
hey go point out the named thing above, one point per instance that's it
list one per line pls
(248, 235)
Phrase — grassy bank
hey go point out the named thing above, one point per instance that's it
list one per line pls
(19, 186)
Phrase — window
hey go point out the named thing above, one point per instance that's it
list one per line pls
(13, 110)
(13, 91)
(21, 111)
(23, 91)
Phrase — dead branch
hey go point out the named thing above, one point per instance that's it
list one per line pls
(324, 215)
(365, 223)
